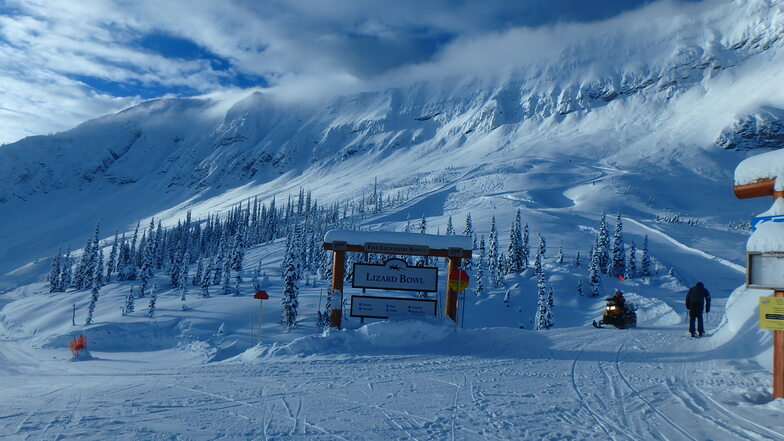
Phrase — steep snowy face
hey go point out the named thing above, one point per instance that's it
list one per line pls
(630, 76)
(648, 93)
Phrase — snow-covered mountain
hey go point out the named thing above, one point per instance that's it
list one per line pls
(655, 102)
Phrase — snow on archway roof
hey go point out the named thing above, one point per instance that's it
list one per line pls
(429, 240)
(765, 165)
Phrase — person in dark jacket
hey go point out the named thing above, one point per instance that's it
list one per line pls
(696, 299)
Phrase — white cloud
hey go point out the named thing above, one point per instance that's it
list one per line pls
(304, 48)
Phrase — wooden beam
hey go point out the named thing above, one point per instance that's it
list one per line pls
(466, 254)
(762, 187)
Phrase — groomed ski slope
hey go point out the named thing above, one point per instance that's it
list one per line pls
(180, 376)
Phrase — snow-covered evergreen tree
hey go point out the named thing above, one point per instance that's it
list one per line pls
(199, 272)
(66, 275)
(577, 260)
(603, 243)
(515, 249)
(226, 280)
(145, 273)
(450, 229)
(593, 271)
(492, 255)
(94, 295)
(98, 263)
(526, 250)
(468, 231)
(206, 280)
(130, 299)
(184, 279)
(539, 256)
(112, 263)
(54, 273)
(480, 267)
(631, 263)
(290, 300)
(645, 263)
(542, 305)
(618, 250)
(153, 298)
(560, 257)
(580, 287)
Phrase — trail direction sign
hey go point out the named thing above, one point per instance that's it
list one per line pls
(765, 270)
(261, 295)
(771, 313)
(385, 307)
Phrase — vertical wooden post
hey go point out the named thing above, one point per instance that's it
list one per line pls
(450, 306)
(778, 359)
(338, 268)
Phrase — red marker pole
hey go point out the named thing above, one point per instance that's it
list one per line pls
(261, 295)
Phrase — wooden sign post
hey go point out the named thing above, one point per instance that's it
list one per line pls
(380, 242)
(765, 187)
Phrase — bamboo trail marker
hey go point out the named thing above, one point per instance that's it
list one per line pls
(262, 296)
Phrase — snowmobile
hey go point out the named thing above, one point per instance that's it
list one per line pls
(619, 314)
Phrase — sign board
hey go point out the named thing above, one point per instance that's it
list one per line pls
(390, 248)
(261, 295)
(761, 219)
(385, 307)
(458, 280)
(771, 313)
(339, 245)
(765, 270)
(395, 274)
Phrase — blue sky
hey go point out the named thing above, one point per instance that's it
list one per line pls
(69, 61)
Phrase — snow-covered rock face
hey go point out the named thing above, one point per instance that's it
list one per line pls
(649, 94)
(763, 129)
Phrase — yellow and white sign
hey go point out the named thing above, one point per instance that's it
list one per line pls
(771, 313)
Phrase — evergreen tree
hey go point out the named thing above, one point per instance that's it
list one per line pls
(468, 231)
(54, 273)
(593, 272)
(67, 273)
(577, 260)
(580, 287)
(407, 228)
(145, 273)
(560, 257)
(184, 279)
(645, 263)
(197, 278)
(631, 263)
(480, 267)
(255, 280)
(542, 307)
(112, 263)
(525, 251)
(130, 299)
(515, 249)
(500, 271)
(84, 277)
(94, 295)
(450, 229)
(226, 276)
(618, 251)
(492, 255)
(206, 280)
(98, 264)
(539, 256)
(290, 293)
(153, 298)
(603, 243)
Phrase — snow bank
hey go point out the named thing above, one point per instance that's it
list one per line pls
(768, 237)
(765, 165)
(740, 336)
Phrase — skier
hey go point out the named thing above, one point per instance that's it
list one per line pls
(697, 298)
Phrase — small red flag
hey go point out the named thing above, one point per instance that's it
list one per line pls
(620, 277)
